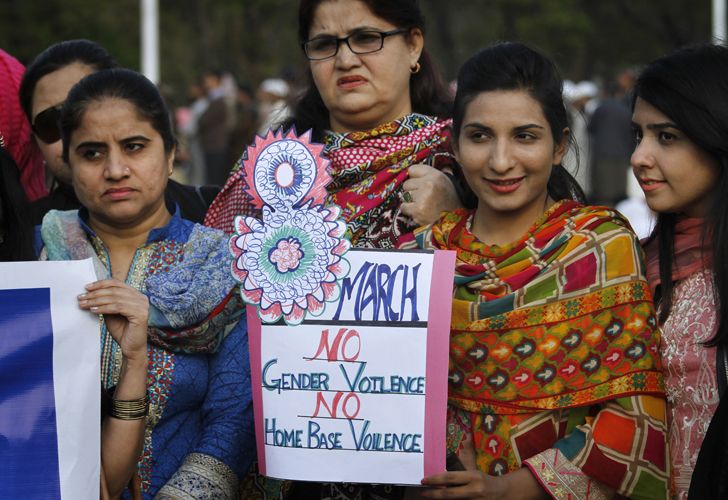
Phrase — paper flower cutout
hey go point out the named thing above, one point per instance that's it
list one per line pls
(289, 263)
(286, 255)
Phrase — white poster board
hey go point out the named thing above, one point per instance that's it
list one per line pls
(49, 398)
(359, 394)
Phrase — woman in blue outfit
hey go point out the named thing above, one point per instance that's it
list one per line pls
(197, 439)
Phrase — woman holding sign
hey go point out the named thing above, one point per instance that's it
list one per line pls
(555, 381)
(378, 104)
(119, 146)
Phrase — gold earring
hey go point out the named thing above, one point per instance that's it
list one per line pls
(416, 68)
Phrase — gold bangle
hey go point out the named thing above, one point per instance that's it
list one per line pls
(133, 409)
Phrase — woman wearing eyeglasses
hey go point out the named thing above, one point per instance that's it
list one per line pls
(378, 104)
(44, 88)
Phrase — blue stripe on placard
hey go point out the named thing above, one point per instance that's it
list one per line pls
(28, 442)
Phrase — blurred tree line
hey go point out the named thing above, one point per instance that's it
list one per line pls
(255, 39)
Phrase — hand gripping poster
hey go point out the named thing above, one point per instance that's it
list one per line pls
(348, 347)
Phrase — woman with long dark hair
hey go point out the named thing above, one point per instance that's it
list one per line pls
(555, 385)
(680, 121)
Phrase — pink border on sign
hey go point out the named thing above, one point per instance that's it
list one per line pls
(256, 378)
(438, 342)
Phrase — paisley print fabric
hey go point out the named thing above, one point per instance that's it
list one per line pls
(554, 354)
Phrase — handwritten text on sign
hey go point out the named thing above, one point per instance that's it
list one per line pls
(344, 396)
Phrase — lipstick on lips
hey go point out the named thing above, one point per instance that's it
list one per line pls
(649, 184)
(350, 82)
(505, 186)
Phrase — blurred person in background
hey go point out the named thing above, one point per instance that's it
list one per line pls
(272, 97)
(243, 131)
(578, 159)
(213, 129)
(611, 146)
(188, 123)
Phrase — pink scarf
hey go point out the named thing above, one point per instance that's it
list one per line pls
(690, 253)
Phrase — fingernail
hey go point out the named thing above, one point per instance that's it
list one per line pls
(94, 308)
(82, 296)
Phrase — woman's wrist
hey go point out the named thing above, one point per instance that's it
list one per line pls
(129, 409)
(136, 359)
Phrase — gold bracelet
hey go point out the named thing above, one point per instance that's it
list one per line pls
(133, 409)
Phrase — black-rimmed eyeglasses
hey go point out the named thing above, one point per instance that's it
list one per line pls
(360, 42)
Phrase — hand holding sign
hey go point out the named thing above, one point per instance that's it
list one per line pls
(125, 311)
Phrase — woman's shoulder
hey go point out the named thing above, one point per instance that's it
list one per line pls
(434, 236)
(596, 217)
(183, 229)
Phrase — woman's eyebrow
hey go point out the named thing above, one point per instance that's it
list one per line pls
(90, 144)
(661, 126)
(136, 138)
(528, 126)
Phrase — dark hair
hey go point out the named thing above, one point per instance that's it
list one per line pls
(428, 92)
(690, 86)
(514, 66)
(59, 56)
(123, 84)
(16, 231)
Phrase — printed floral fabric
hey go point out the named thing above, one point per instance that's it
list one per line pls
(368, 170)
(554, 346)
(191, 299)
(200, 404)
(690, 373)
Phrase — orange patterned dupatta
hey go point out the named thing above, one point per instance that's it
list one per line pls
(546, 333)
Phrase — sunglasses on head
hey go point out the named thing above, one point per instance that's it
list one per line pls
(45, 126)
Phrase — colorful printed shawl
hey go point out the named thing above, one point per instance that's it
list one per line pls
(554, 348)
(190, 302)
(368, 170)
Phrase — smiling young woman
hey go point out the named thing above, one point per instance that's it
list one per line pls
(555, 382)
(681, 127)
(507, 153)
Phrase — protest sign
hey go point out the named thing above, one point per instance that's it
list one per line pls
(49, 382)
(348, 349)
(359, 394)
